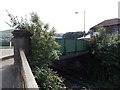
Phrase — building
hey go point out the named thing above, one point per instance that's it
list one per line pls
(110, 25)
(87, 37)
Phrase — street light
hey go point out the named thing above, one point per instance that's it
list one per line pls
(84, 28)
(84, 21)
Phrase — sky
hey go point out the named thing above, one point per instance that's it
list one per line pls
(61, 13)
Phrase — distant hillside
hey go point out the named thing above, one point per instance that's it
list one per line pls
(6, 33)
(58, 34)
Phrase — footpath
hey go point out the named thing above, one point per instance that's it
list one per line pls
(7, 71)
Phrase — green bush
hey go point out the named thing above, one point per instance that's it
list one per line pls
(43, 50)
(106, 63)
(48, 79)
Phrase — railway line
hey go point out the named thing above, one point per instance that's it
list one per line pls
(72, 80)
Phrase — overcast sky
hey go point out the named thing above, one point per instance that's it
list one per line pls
(61, 13)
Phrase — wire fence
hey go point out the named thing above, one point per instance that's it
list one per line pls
(6, 43)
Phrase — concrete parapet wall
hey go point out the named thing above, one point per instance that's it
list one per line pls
(27, 78)
(24, 78)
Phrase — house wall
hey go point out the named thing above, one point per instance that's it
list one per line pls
(117, 27)
(109, 29)
(112, 29)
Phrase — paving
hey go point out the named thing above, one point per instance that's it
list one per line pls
(6, 51)
(7, 73)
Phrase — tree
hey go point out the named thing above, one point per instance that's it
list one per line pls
(106, 63)
(44, 48)
(73, 35)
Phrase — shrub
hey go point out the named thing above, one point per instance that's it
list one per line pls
(44, 48)
(48, 79)
(106, 63)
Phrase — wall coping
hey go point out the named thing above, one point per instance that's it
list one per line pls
(26, 72)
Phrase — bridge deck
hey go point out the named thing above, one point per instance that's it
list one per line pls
(4, 51)
(7, 73)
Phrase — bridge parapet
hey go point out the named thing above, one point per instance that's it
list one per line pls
(24, 77)
(27, 80)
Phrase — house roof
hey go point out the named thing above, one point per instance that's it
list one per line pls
(108, 22)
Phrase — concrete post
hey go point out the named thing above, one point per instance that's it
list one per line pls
(21, 41)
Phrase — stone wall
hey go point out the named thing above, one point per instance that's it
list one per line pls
(24, 77)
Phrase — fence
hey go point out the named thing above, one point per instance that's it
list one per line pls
(68, 46)
(6, 44)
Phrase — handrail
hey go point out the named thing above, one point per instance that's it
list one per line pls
(26, 72)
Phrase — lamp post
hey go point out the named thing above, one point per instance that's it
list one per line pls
(84, 21)
(84, 29)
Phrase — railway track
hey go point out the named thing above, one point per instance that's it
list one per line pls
(72, 80)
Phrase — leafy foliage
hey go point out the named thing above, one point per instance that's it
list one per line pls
(44, 49)
(106, 63)
(73, 35)
(48, 79)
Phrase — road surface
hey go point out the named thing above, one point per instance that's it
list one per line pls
(7, 71)
(6, 51)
